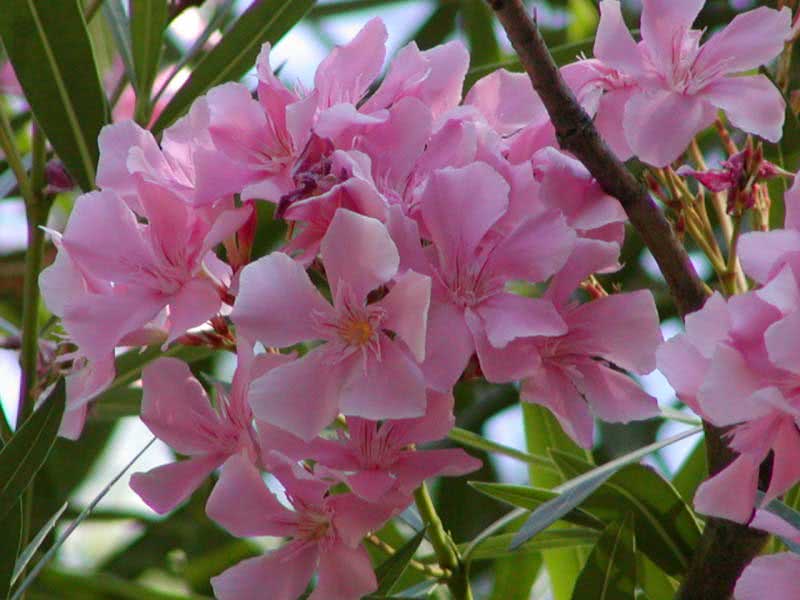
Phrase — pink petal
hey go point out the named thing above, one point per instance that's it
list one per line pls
(609, 119)
(371, 485)
(590, 256)
(659, 125)
(507, 100)
(447, 66)
(358, 251)
(751, 39)
(534, 250)
(391, 387)
(730, 377)
(242, 504)
(284, 572)
(448, 347)
(662, 22)
(763, 253)
(621, 328)
(226, 225)
(273, 95)
(300, 397)
(415, 467)
(786, 461)
(614, 44)
(731, 493)
(165, 487)
(437, 422)
(517, 360)
(781, 340)
(770, 577)
(277, 301)
(354, 518)
(406, 307)
(349, 70)
(72, 422)
(175, 407)
(613, 396)
(709, 326)
(193, 305)
(684, 367)
(344, 574)
(751, 103)
(405, 234)
(552, 388)
(90, 381)
(507, 317)
(459, 206)
(104, 238)
(238, 125)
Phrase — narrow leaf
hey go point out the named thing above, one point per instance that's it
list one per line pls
(263, 21)
(26, 555)
(25, 453)
(473, 440)
(497, 546)
(117, 19)
(575, 491)
(610, 572)
(148, 19)
(11, 526)
(48, 556)
(788, 514)
(692, 472)
(390, 570)
(48, 45)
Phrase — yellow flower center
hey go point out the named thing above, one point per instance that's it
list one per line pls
(356, 332)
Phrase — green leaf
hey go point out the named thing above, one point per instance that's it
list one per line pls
(542, 432)
(117, 19)
(666, 528)
(532, 498)
(265, 21)
(583, 19)
(514, 576)
(692, 472)
(788, 514)
(48, 556)
(390, 570)
(148, 19)
(478, 24)
(11, 526)
(653, 581)
(473, 440)
(610, 572)
(49, 47)
(497, 546)
(26, 555)
(25, 453)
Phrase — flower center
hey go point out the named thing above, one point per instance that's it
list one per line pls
(356, 331)
(313, 525)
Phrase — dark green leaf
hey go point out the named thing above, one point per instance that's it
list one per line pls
(393, 567)
(653, 581)
(264, 21)
(497, 546)
(477, 442)
(117, 20)
(148, 19)
(478, 24)
(514, 576)
(49, 47)
(24, 558)
(692, 472)
(48, 556)
(11, 526)
(666, 528)
(610, 572)
(25, 453)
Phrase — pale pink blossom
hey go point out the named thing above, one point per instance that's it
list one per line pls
(671, 86)
(176, 408)
(325, 534)
(470, 264)
(360, 370)
(382, 461)
(770, 577)
(167, 263)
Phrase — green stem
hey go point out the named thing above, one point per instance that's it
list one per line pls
(12, 156)
(443, 545)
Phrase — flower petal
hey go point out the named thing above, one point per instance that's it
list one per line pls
(165, 487)
(751, 103)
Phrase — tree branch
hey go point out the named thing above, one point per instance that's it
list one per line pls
(726, 547)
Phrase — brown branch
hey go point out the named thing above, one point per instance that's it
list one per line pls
(726, 547)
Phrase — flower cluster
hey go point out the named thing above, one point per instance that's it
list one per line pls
(431, 237)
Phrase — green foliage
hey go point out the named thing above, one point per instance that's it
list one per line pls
(11, 526)
(610, 571)
(48, 45)
(147, 22)
(391, 570)
(265, 21)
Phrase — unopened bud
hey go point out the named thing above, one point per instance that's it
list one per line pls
(57, 178)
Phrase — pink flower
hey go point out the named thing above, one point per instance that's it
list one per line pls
(167, 263)
(470, 264)
(679, 83)
(737, 367)
(325, 534)
(360, 370)
(380, 461)
(770, 577)
(177, 410)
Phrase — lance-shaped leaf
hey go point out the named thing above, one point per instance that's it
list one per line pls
(389, 571)
(497, 546)
(788, 514)
(610, 572)
(11, 526)
(25, 556)
(26, 451)
(49, 48)
(148, 19)
(666, 528)
(264, 21)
